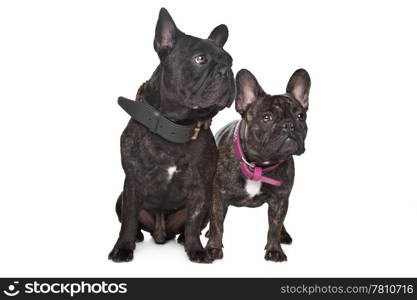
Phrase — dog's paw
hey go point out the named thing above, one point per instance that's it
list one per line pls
(121, 255)
(181, 239)
(278, 256)
(199, 256)
(286, 238)
(215, 253)
(139, 237)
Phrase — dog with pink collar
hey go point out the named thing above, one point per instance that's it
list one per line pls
(256, 163)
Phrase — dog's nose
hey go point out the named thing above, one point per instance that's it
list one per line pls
(288, 126)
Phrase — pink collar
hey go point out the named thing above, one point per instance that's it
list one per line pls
(250, 170)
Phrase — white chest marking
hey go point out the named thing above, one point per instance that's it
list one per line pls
(171, 171)
(253, 188)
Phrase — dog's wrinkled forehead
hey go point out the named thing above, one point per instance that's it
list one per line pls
(283, 106)
(190, 46)
(286, 104)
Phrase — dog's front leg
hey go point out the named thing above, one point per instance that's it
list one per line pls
(277, 210)
(217, 212)
(131, 205)
(196, 212)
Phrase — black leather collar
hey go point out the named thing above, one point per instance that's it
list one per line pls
(152, 119)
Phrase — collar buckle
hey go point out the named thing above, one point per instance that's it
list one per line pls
(252, 165)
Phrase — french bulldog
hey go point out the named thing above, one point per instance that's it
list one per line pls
(168, 185)
(256, 163)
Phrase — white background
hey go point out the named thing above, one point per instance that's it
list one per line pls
(64, 63)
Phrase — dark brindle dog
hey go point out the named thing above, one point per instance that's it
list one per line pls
(169, 180)
(255, 157)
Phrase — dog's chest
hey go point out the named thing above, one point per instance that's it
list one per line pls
(252, 188)
(171, 171)
(164, 190)
(249, 194)
(170, 178)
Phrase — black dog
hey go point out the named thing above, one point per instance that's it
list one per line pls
(255, 157)
(168, 184)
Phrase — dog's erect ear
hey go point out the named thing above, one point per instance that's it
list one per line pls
(248, 90)
(166, 33)
(219, 35)
(299, 86)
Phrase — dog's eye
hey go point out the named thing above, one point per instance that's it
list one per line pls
(200, 59)
(267, 117)
(301, 116)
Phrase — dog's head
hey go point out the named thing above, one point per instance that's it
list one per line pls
(194, 73)
(275, 126)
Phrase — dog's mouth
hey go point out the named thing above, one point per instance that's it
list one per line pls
(283, 149)
(213, 92)
(291, 146)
